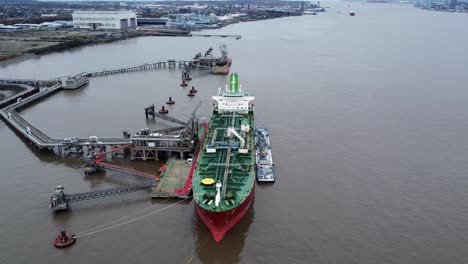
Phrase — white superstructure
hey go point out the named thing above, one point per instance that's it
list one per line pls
(233, 99)
(104, 19)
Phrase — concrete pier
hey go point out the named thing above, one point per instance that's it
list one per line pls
(173, 177)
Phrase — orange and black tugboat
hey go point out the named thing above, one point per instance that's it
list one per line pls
(63, 240)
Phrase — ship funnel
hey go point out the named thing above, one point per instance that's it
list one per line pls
(234, 83)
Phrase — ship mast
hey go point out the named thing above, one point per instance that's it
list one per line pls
(224, 52)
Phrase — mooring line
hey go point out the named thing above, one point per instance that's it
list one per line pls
(122, 218)
(130, 221)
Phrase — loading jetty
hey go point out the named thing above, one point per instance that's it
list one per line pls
(184, 137)
(40, 89)
(176, 175)
(216, 36)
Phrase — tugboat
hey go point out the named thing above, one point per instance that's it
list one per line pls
(58, 201)
(63, 240)
(264, 161)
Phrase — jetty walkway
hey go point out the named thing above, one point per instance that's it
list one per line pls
(140, 67)
(40, 139)
(10, 109)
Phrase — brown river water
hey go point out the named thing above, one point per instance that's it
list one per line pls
(369, 128)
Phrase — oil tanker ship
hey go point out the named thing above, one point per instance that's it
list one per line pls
(224, 180)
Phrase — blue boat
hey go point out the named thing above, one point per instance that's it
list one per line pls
(264, 161)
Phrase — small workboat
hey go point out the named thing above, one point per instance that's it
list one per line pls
(63, 240)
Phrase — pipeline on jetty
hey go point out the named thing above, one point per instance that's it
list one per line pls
(10, 109)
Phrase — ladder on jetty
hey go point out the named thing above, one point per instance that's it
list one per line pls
(76, 197)
(128, 171)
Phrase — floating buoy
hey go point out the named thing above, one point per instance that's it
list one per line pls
(170, 101)
(193, 90)
(183, 83)
(208, 181)
(63, 240)
(163, 111)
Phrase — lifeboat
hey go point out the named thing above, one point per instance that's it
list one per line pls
(193, 90)
(183, 84)
(63, 240)
(163, 110)
(170, 101)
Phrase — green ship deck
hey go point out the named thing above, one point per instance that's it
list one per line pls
(222, 161)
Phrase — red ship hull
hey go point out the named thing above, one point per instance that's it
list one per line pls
(219, 223)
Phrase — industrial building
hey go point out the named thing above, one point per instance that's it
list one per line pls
(104, 19)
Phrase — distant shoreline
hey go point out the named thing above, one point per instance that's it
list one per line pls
(43, 42)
